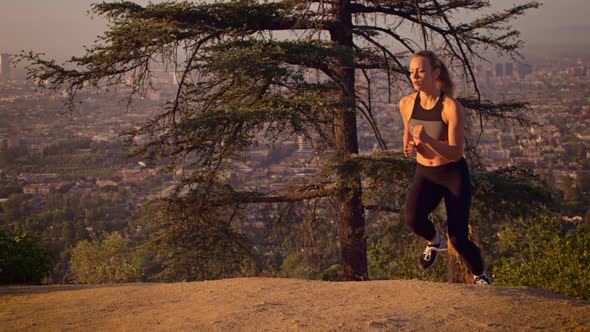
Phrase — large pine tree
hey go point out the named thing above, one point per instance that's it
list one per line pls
(242, 68)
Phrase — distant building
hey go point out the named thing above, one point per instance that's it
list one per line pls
(499, 154)
(3, 144)
(524, 69)
(39, 188)
(132, 176)
(37, 177)
(4, 66)
(174, 78)
(107, 182)
(509, 70)
(82, 188)
(303, 144)
(577, 71)
(79, 190)
(499, 70)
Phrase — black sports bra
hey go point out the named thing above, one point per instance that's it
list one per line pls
(431, 119)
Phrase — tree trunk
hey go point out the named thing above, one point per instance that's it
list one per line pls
(352, 224)
(457, 271)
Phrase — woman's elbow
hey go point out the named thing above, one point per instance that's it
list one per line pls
(458, 153)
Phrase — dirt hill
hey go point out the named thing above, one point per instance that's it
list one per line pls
(274, 304)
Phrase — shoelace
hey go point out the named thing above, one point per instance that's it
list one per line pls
(482, 281)
(441, 246)
(428, 252)
(430, 248)
(433, 247)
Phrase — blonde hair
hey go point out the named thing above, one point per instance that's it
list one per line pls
(444, 81)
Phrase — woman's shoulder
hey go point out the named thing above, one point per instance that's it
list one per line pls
(452, 109)
(451, 104)
(408, 99)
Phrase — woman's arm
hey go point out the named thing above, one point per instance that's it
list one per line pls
(453, 150)
(409, 145)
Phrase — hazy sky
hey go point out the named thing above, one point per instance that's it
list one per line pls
(60, 27)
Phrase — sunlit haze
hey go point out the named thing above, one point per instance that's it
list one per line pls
(61, 27)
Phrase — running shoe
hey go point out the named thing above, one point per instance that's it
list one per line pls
(482, 280)
(429, 255)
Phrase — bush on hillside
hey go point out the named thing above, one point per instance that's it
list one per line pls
(540, 252)
(23, 258)
(111, 259)
(394, 252)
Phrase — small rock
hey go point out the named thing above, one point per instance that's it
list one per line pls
(377, 325)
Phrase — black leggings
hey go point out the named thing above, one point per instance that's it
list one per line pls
(452, 182)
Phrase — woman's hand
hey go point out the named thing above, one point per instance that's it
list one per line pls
(409, 148)
(418, 134)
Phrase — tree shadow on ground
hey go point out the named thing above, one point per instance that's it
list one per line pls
(32, 289)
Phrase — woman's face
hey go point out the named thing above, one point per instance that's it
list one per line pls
(422, 75)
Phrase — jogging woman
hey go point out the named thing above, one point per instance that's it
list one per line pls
(434, 128)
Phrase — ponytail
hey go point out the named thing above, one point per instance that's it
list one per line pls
(444, 81)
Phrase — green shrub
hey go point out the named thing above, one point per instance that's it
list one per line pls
(540, 252)
(112, 259)
(293, 267)
(394, 252)
(23, 258)
(333, 273)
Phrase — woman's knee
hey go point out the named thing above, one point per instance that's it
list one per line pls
(411, 216)
(460, 242)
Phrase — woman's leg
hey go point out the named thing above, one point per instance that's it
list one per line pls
(458, 202)
(423, 198)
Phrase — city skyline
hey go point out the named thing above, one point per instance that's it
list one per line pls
(558, 26)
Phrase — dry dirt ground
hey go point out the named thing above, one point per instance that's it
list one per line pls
(275, 304)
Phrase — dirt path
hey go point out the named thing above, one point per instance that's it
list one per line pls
(273, 304)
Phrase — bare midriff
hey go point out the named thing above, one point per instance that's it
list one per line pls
(425, 156)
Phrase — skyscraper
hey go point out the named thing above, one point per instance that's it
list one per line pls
(5, 66)
(499, 70)
(3, 144)
(509, 69)
(524, 70)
